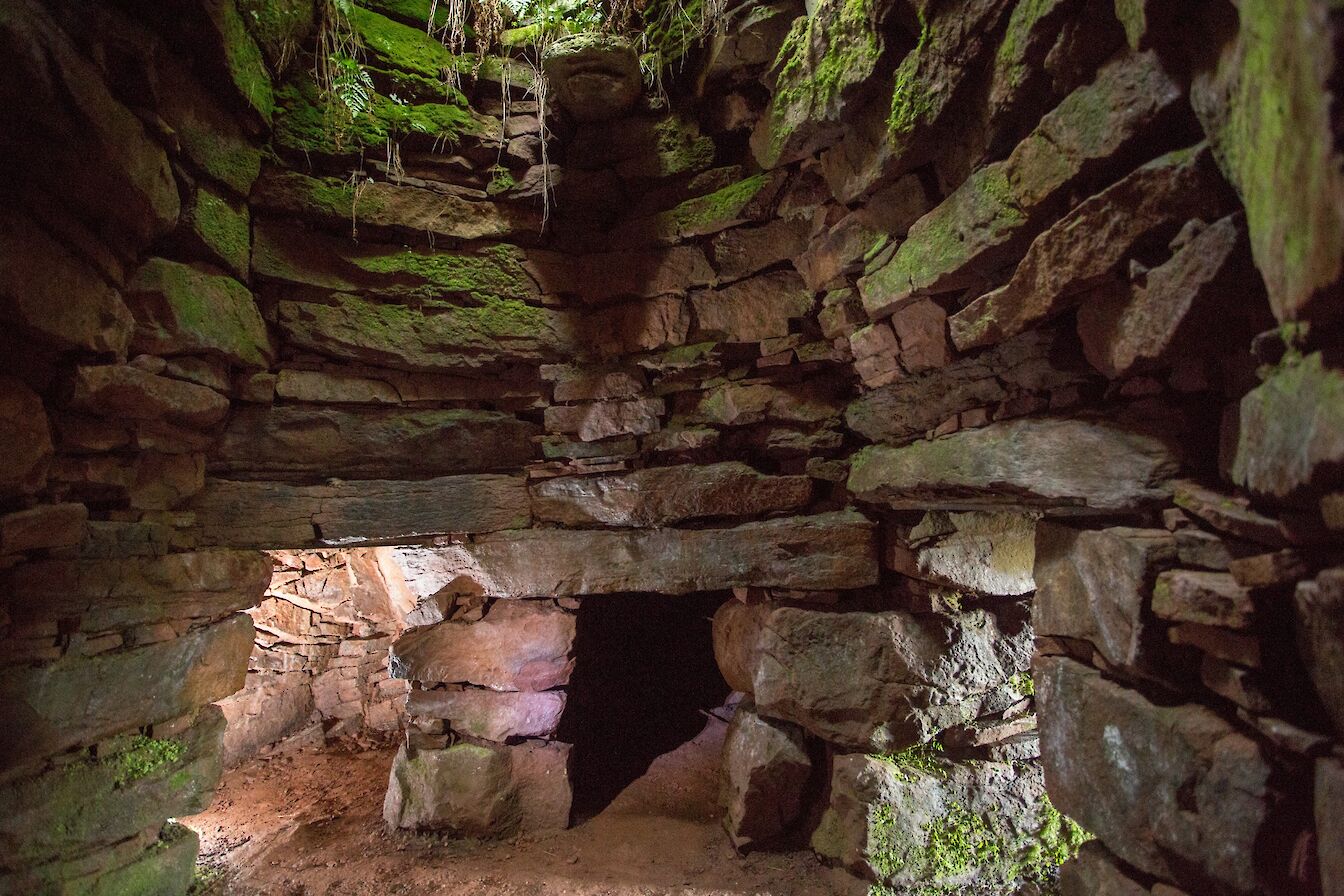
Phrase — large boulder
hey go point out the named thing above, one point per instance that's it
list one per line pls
(737, 630)
(191, 309)
(120, 592)
(51, 294)
(95, 802)
(825, 67)
(1071, 467)
(79, 700)
(470, 790)
(1290, 431)
(1319, 621)
(488, 714)
(1173, 790)
(1095, 585)
(1267, 103)
(515, 646)
(1133, 327)
(23, 427)
(66, 133)
(661, 496)
(984, 553)
(386, 206)
(765, 768)
(886, 680)
(128, 393)
(465, 789)
(595, 76)
(760, 307)
(912, 822)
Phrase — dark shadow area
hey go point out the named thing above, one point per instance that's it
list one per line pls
(644, 672)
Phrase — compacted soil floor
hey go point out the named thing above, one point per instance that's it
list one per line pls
(309, 823)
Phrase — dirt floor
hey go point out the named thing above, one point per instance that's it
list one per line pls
(309, 823)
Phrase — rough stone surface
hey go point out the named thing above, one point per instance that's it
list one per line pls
(765, 767)
(181, 309)
(1330, 824)
(491, 715)
(1090, 242)
(1291, 431)
(23, 427)
(465, 789)
(1001, 205)
(603, 419)
(516, 646)
(124, 392)
(1319, 622)
(596, 77)
(77, 700)
(737, 632)
(49, 291)
(45, 526)
(298, 442)
(1207, 598)
(91, 801)
(273, 514)
(1172, 790)
(884, 681)
(1133, 328)
(751, 310)
(1066, 466)
(1268, 113)
(820, 552)
(985, 553)
(1093, 872)
(1095, 586)
(96, 152)
(661, 496)
(885, 821)
(913, 405)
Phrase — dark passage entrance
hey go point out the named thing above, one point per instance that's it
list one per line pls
(643, 673)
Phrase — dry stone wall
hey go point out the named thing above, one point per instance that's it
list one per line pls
(319, 663)
(945, 335)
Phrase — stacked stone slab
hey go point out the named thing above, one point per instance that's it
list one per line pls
(941, 336)
(319, 662)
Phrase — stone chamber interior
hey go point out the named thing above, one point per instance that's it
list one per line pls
(888, 447)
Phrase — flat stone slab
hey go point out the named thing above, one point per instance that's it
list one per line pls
(822, 552)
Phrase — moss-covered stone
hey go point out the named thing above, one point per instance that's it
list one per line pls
(934, 827)
(432, 336)
(480, 275)
(714, 211)
(210, 137)
(242, 57)
(826, 60)
(346, 207)
(185, 309)
(279, 26)
(1269, 110)
(305, 123)
(96, 801)
(220, 228)
(1290, 433)
(982, 211)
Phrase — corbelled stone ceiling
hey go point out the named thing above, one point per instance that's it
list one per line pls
(956, 385)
